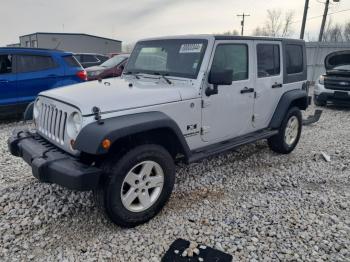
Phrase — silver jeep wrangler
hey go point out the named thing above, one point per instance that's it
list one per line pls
(180, 98)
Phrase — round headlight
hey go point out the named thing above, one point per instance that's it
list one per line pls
(36, 108)
(74, 124)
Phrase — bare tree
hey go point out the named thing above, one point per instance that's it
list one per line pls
(333, 32)
(128, 47)
(277, 24)
(346, 31)
(233, 32)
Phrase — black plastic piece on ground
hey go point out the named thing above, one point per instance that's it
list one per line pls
(314, 118)
(208, 255)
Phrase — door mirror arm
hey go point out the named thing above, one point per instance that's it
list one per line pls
(211, 91)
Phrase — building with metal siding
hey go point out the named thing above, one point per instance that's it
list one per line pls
(72, 42)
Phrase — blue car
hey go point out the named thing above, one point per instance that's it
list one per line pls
(25, 72)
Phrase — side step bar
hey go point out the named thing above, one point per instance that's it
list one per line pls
(218, 148)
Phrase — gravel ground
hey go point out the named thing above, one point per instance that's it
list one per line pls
(251, 203)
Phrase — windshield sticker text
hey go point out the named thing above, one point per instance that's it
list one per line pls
(190, 48)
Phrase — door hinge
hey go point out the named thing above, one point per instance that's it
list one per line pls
(205, 103)
(253, 118)
(205, 130)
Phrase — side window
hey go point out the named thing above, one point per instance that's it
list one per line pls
(5, 64)
(88, 58)
(32, 63)
(232, 56)
(294, 59)
(268, 56)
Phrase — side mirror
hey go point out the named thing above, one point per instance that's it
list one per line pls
(216, 78)
(122, 67)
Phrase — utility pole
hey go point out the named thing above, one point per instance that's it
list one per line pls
(325, 13)
(306, 8)
(325, 18)
(242, 22)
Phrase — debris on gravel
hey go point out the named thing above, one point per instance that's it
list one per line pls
(251, 203)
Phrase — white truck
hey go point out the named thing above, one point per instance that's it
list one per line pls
(180, 98)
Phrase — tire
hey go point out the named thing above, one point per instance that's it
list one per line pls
(116, 185)
(282, 143)
(318, 102)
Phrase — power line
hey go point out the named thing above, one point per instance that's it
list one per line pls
(314, 17)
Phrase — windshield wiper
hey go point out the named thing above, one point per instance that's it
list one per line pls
(163, 76)
(132, 73)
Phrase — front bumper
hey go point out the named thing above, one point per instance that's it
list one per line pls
(50, 164)
(336, 97)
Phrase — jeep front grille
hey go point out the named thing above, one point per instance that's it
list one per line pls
(337, 83)
(52, 122)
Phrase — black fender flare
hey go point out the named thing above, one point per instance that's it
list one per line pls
(91, 136)
(299, 97)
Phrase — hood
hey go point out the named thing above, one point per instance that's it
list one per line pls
(115, 94)
(337, 59)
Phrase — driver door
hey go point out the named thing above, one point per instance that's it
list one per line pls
(228, 113)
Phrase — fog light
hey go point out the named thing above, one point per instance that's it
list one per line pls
(106, 144)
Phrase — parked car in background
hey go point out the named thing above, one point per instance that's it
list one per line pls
(87, 60)
(25, 72)
(113, 67)
(334, 86)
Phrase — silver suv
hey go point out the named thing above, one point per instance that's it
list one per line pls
(180, 98)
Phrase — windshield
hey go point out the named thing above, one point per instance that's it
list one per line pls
(171, 57)
(115, 60)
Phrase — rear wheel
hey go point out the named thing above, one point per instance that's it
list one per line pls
(289, 133)
(138, 185)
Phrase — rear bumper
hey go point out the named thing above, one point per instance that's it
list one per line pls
(49, 164)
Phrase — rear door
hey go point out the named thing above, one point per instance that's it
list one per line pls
(36, 73)
(269, 81)
(8, 85)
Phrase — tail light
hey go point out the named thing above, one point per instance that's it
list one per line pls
(82, 75)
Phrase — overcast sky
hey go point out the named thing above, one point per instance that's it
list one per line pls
(130, 20)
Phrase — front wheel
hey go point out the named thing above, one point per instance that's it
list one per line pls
(138, 185)
(289, 133)
(319, 102)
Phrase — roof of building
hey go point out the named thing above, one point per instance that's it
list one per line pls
(79, 34)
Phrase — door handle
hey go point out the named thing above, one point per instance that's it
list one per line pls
(276, 85)
(3, 81)
(247, 90)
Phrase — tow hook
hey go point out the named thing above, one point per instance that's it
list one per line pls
(313, 118)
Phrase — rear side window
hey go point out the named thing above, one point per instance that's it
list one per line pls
(32, 63)
(268, 60)
(71, 61)
(5, 64)
(294, 59)
(88, 58)
(232, 56)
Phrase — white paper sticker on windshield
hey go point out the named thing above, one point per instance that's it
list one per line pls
(190, 48)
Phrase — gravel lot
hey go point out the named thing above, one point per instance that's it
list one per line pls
(251, 203)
